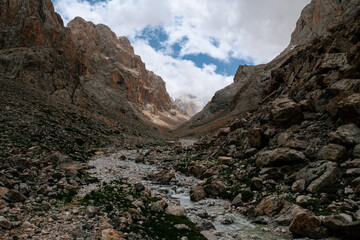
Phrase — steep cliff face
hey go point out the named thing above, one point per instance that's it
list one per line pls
(83, 64)
(318, 19)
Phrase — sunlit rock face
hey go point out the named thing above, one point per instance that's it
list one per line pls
(82, 64)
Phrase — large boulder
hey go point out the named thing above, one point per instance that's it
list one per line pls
(175, 210)
(285, 112)
(332, 152)
(162, 177)
(197, 193)
(349, 109)
(306, 224)
(270, 204)
(280, 157)
(348, 135)
(330, 174)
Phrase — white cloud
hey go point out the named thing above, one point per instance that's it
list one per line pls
(255, 31)
(182, 76)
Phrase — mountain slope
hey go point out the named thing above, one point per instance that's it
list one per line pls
(83, 64)
(246, 92)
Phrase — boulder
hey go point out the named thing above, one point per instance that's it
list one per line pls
(258, 139)
(256, 183)
(214, 188)
(345, 85)
(237, 201)
(348, 135)
(306, 224)
(298, 185)
(285, 112)
(287, 213)
(14, 196)
(331, 174)
(280, 157)
(4, 223)
(111, 234)
(162, 177)
(332, 152)
(175, 210)
(349, 109)
(356, 152)
(139, 159)
(269, 205)
(343, 227)
(158, 206)
(197, 193)
(222, 160)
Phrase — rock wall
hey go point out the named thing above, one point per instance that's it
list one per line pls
(319, 19)
(83, 64)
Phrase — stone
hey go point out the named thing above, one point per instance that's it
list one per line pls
(139, 159)
(306, 224)
(237, 201)
(256, 183)
(331, 174)
(356, 152)
(285, 112)
(347, 135)
(197, 193)
(269, 205)
(178, 147)
(5, 224)
(298, 185)
(14, 196)
(332, 152)
(111, 234)
(287, 213)
(345, 85)
(349, 109)
(175, 210)
(3, 191)
(343, 226)
(227, 220)
(222, 160)
(353, 172)
(214, 188)
(182, 227)
(280, 157)
(258, 139)
(158, 206)
(351, 163)
(162, 177)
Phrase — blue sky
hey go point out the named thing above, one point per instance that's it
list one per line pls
(196, 46)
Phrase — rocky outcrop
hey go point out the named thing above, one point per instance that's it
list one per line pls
(84, 64)
(292, 128)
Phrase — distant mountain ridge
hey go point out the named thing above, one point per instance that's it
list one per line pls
(190, 104)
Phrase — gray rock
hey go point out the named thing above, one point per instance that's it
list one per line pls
(197, 193)
(285, 111)
(222, 160)
(175, 210)
(356, 152)
(353, 172)
(14, 196)
(237, 201)
(348, 135)
(298, 185)
(162, 177)
(332, 152)
(256, 183)
(280, 157)
(4, 223)
(331, 174)
(227, 220)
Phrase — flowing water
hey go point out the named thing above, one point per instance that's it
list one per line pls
(111, 167)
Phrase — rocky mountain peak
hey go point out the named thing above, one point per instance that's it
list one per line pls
(188, 103)
(319, 16)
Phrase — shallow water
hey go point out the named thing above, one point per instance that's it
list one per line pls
(108, 168)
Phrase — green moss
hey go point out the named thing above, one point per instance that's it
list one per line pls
(67, 197)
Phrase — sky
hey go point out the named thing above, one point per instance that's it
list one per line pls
(196, 46)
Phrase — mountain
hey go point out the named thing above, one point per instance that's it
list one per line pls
(83, 64)
(247, 92)
(189, 104)
(282, 141)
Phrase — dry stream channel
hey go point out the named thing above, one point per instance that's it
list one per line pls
(221, 221)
